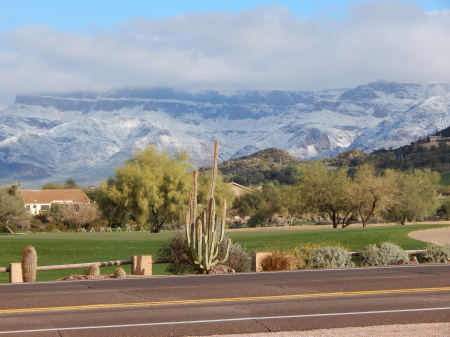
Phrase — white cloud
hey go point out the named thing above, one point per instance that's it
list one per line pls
(262, 48)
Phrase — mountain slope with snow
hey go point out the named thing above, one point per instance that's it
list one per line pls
(85, 136)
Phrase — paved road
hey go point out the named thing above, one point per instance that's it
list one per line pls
(227, 304)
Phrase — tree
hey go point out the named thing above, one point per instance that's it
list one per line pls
(79, 214)
(12, 207)
(261, 205)
(415, 196)
(373, 192)
(52, 186)
(328, 191)
(70, 184)
(150, 187)
(222, 191)
(293, 204)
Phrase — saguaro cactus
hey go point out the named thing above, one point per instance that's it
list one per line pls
(204, 234)
(29, 264)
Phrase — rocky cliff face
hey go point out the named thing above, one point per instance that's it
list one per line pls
(86, 135)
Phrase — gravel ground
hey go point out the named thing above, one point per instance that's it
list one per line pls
(401, 330)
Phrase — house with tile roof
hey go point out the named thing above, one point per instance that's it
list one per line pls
(37, 201)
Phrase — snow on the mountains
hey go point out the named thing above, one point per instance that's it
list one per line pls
(86, 136)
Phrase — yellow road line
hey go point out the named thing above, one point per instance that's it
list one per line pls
(218, 300)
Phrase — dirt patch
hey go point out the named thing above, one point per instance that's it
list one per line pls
(439, 236)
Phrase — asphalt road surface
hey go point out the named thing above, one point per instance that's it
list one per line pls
(206, 305)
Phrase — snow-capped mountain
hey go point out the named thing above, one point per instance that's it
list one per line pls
(85, 136)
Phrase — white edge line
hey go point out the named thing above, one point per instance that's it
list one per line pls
(226, 320)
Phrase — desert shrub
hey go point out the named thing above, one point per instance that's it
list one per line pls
(238, 258)
(386, 254)
(176, 250)
(257, 220)
(329, 257)
(278, 261)
(316, 256)
(302, 254)
(437, 253)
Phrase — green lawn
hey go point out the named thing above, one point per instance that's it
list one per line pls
(68, 248)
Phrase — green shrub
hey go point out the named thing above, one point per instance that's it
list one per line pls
(302, 254)
(315, 256)
(437, 253)
(386, 254)
(278, 261)
(329, 257)
(3, 228)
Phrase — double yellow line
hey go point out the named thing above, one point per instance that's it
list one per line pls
(219, 300)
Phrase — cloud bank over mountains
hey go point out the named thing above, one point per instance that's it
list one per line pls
(263, 48)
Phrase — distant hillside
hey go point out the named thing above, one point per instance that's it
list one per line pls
(421, 154)
(265, 166)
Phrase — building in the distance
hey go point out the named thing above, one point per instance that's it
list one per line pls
(37, 201)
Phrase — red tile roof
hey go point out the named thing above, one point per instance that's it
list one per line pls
(49, 196)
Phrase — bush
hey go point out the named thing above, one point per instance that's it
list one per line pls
(386, 254)
(314, 256)
(3, 228)
(278, 261)
(329, 257)
(257, 220)
(238, 259)
(437, 253)
(176, 250)
(301, 255)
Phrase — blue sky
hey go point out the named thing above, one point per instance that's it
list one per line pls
(82, 14)
(48, 46)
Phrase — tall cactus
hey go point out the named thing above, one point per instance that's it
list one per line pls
(204, 233)
(29, 264)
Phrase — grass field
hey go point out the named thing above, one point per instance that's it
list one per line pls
(68, 248)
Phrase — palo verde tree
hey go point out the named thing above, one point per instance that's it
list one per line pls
(150, 187)
(327, 191)
(374, 192)
(414, 197)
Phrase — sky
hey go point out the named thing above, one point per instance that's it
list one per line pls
(62, 46)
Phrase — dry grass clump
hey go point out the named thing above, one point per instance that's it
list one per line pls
(278, 261)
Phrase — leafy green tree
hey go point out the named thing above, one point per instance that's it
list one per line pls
(415, 195)
(12, 208)
(328, 192)
(52, 186)
(293, 203)
(261, 205)
(150, 187)
(373, 192)
(70, 184)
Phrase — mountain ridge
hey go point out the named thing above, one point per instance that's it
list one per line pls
(85, 135)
